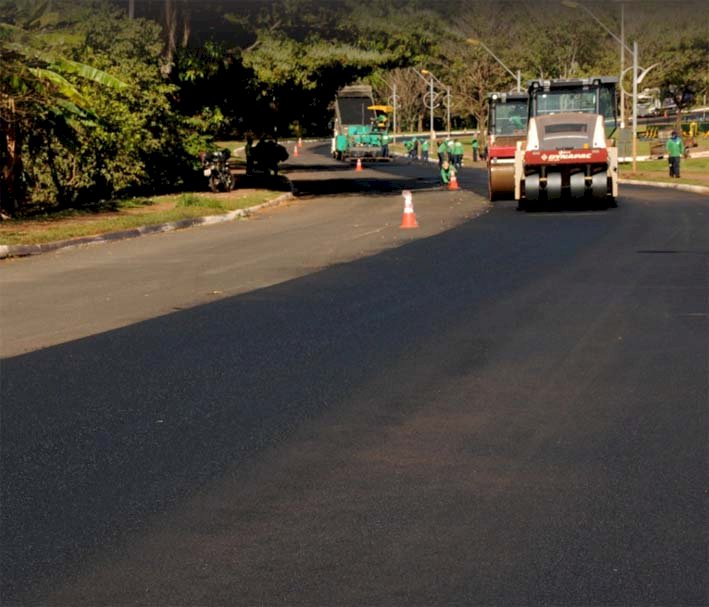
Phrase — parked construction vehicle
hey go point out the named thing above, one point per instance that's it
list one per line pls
(361, 129)
(568, 153)
(506, 125)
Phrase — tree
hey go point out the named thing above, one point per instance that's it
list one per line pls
(36, 92)
(683, 73)
(410, 90)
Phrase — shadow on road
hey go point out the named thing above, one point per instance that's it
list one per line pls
(100, 434)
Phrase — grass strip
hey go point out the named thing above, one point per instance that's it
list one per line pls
(127, 216)
(694, 171)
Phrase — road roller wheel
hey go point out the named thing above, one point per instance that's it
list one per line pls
(490, 194)
(577, 185)
(531, 187)
(501, 181)
(599, 185)
(553, 186)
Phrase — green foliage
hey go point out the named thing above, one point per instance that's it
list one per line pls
(92, 105)
(277, 61)
(100, 116)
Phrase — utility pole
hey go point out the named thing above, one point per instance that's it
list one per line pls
(635, 106)
(622, 64)
(131, 9)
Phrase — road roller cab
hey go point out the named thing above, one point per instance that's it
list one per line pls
(568, 153)
(506, 125)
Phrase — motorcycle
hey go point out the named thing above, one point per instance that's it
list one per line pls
(216, 169)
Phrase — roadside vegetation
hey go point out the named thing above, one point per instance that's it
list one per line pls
(694, 171)
(95, 105)
(127, 214)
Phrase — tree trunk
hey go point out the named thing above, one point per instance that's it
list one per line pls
(170, 25)
(12, 192)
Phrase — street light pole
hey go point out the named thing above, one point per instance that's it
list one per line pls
(623, 48)
(622, 64)
(433, 131)
(635, 106)
(517, 76)
(395, 100)
(448, 98)
(430, 80)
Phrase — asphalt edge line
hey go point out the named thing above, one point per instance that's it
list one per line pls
(25, 250)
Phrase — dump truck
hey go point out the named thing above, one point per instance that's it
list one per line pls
(568, 153)
(361, 128)
(506, 125)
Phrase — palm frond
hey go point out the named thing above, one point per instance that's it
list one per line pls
(65, 88)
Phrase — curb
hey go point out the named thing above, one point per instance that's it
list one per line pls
(22, 250)
(695, 189)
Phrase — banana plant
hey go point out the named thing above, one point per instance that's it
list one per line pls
(35, 88)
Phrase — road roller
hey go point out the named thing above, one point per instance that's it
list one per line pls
(506, 125)
(569, 153)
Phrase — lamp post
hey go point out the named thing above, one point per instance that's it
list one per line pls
(517, 76)
(448, 98)
(394, 100)
(621, 40)
(431, 93)
(634, 53)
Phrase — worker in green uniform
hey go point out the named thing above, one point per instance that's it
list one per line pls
(424, 150)
(458, 151)
(675, 151)
(446, 172)
(476, 147)
(442, 153)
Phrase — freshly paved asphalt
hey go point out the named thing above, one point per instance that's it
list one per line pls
(314, 407)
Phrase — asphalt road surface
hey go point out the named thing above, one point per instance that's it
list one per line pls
(314, 407)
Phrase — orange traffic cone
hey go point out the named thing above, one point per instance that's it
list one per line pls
(408, 220)
(295, 152)
(453, 183)
(300, 142)
(359, 165)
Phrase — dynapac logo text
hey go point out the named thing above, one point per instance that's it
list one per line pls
(567, 156)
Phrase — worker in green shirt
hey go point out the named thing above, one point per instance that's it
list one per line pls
(458, 151)
(476, 146)
(675, 151)
(424, 150)
(447, 171)
(442, 153)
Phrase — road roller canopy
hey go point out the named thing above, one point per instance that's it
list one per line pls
(387, 109)
(507, 113)
(595, 95)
